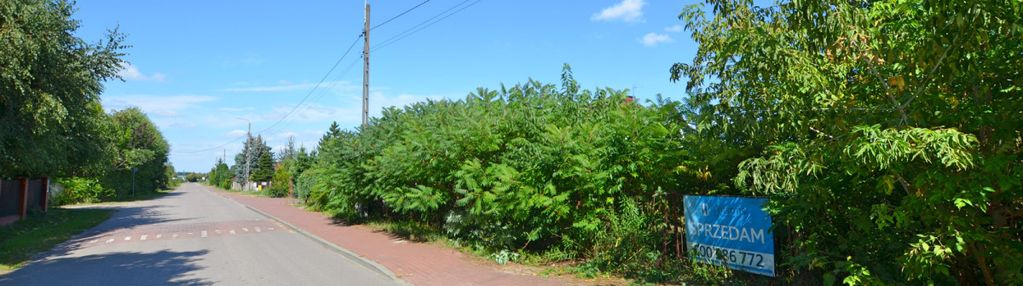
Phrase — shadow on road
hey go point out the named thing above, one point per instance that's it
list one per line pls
(125, 217)
(118, 268)
(131, 216)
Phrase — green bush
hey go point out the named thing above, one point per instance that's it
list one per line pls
(532, 168)
(886, 134)
(82, 190)
(280, 183)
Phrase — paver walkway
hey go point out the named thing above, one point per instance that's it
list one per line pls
(416, 263)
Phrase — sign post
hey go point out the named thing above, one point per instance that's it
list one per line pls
(730, 231)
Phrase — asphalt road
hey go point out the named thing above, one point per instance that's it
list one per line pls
(192, 237)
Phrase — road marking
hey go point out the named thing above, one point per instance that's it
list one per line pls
(94, 241)
(143, 237)
(269, 228)
(190, 233)
(399, 241)
(110, 240)
(232, 231)
(245, 229)
(127, 238)
(158, 236)
(174, 236)
(204, 233)
(257, 229)
(217, 231)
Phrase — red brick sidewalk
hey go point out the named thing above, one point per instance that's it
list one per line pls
(416, 263)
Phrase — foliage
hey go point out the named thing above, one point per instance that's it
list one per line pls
(50, 80)
(264, 168)
(194, 177)
(629, 242)
(887, 133)
(139, 156)
(291, 161)
(533, 168)
(136, 146)
(280, 184)
(82, 190)
(250, 161)
(220, 176)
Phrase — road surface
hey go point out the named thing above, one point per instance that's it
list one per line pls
(192, 237)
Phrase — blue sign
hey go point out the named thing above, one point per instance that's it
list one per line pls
(731, 231)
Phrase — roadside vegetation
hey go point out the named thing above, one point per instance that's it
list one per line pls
(135, 165)
(278, 169)
(21, 240)
(54, 125)
(888, 137)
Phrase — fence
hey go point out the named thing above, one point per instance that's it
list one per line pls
(13, 204)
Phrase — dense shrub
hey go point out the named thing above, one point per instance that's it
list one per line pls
(280, 183)
(533, 168)
(887, 134)
(82, 190)
(220, 175)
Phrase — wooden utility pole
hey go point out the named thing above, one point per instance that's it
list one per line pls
(248, 156)
(365, 70)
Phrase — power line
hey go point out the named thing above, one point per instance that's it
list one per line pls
(404, 34)
(315, 98)
(425, 24)
(315, 87)
(399, 15)
(304, 99)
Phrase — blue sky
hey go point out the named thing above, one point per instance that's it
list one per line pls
(203, 69)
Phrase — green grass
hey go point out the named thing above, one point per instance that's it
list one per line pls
(41, 232)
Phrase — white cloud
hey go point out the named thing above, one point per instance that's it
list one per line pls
(168, 105)
(627, 10)
(131, 72)
(288, 86)
(653, 39)
(673, 29)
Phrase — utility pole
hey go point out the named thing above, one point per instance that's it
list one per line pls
(365, 70)
(248, 156)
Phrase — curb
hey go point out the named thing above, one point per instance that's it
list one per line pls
(365, 262)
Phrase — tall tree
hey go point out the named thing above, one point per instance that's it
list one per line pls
(264, 168)
(252, 150)
(289, 151)
(220, 175)
(332, 132)
(140, 151)
(50, 81)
